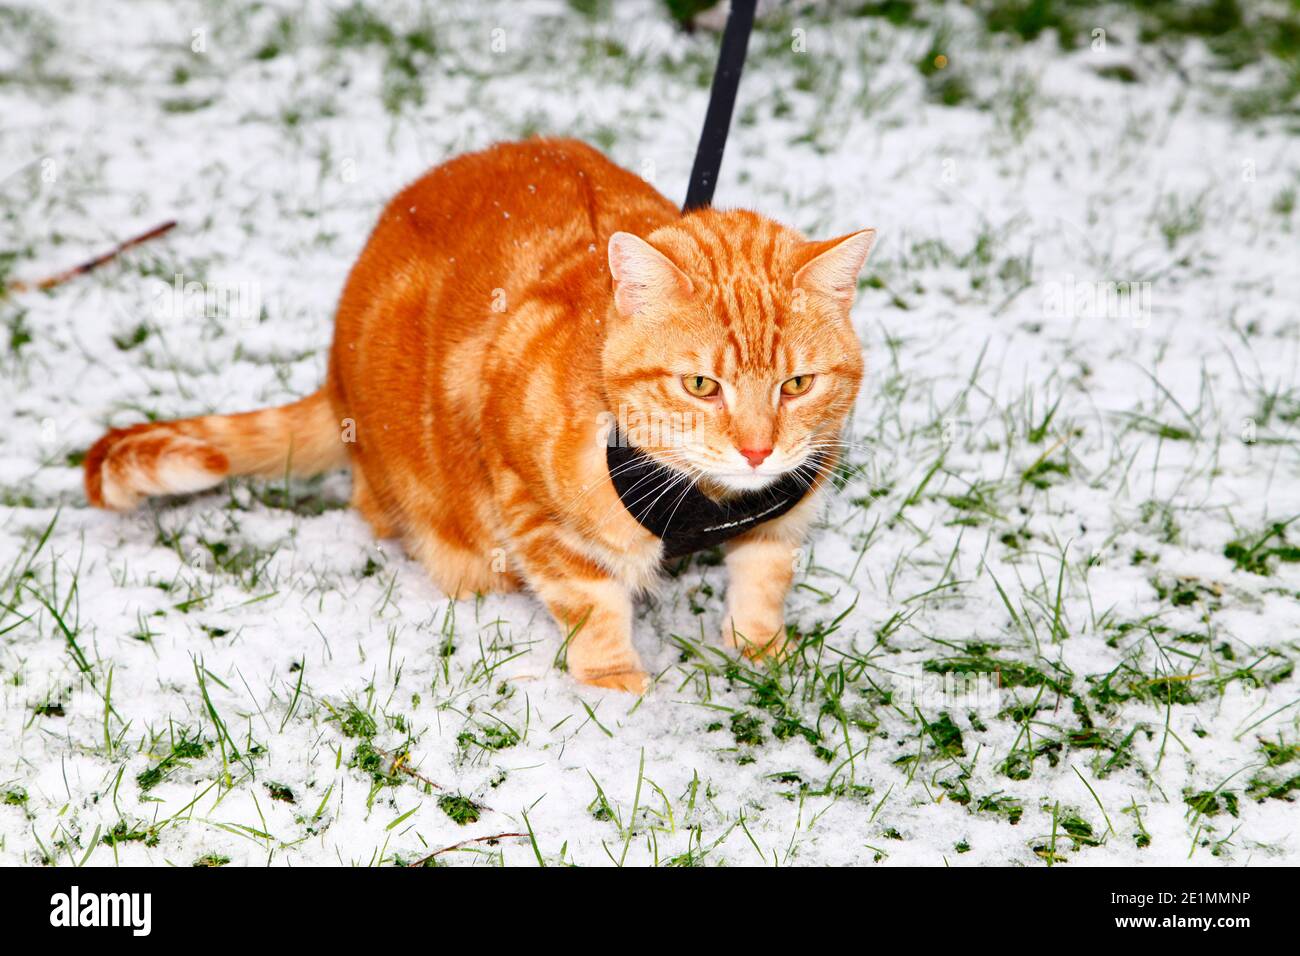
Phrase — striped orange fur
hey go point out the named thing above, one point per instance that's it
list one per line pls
(508, 306)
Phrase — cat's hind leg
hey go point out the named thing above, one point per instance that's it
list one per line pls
(370, 507)
(459, 572)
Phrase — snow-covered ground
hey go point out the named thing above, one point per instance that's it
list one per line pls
(1067, 485)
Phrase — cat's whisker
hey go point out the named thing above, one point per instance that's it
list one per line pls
(830, 441)
(679, 478)
(686, 491)
(809, 470)
(670, 480)
(657, 480)
(617, 470)
(631, 506)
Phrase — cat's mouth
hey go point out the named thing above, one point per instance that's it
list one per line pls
(731, 479)
(722, 478)
(746, 481)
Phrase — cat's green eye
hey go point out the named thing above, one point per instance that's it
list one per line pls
(700, 386)
(797, 385)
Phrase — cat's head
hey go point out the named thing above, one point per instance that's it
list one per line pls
(730, 353)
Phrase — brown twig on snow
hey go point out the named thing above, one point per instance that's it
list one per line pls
(49, 282)
(457, 846)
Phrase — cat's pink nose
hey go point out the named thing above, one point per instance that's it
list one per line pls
(756, 456)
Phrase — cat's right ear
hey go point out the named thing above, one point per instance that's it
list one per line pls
(643, 275)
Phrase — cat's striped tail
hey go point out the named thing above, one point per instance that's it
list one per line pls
(168, 458)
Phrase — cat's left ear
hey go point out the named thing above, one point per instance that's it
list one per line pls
(643, 275)
(831, 268)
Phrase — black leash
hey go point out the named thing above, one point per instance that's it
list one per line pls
(722, 100)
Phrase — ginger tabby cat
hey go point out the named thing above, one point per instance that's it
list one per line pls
(507, 307)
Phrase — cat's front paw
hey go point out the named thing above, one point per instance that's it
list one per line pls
(633, 681)
(754, 638)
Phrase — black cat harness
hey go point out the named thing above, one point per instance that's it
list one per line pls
(685, 518)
